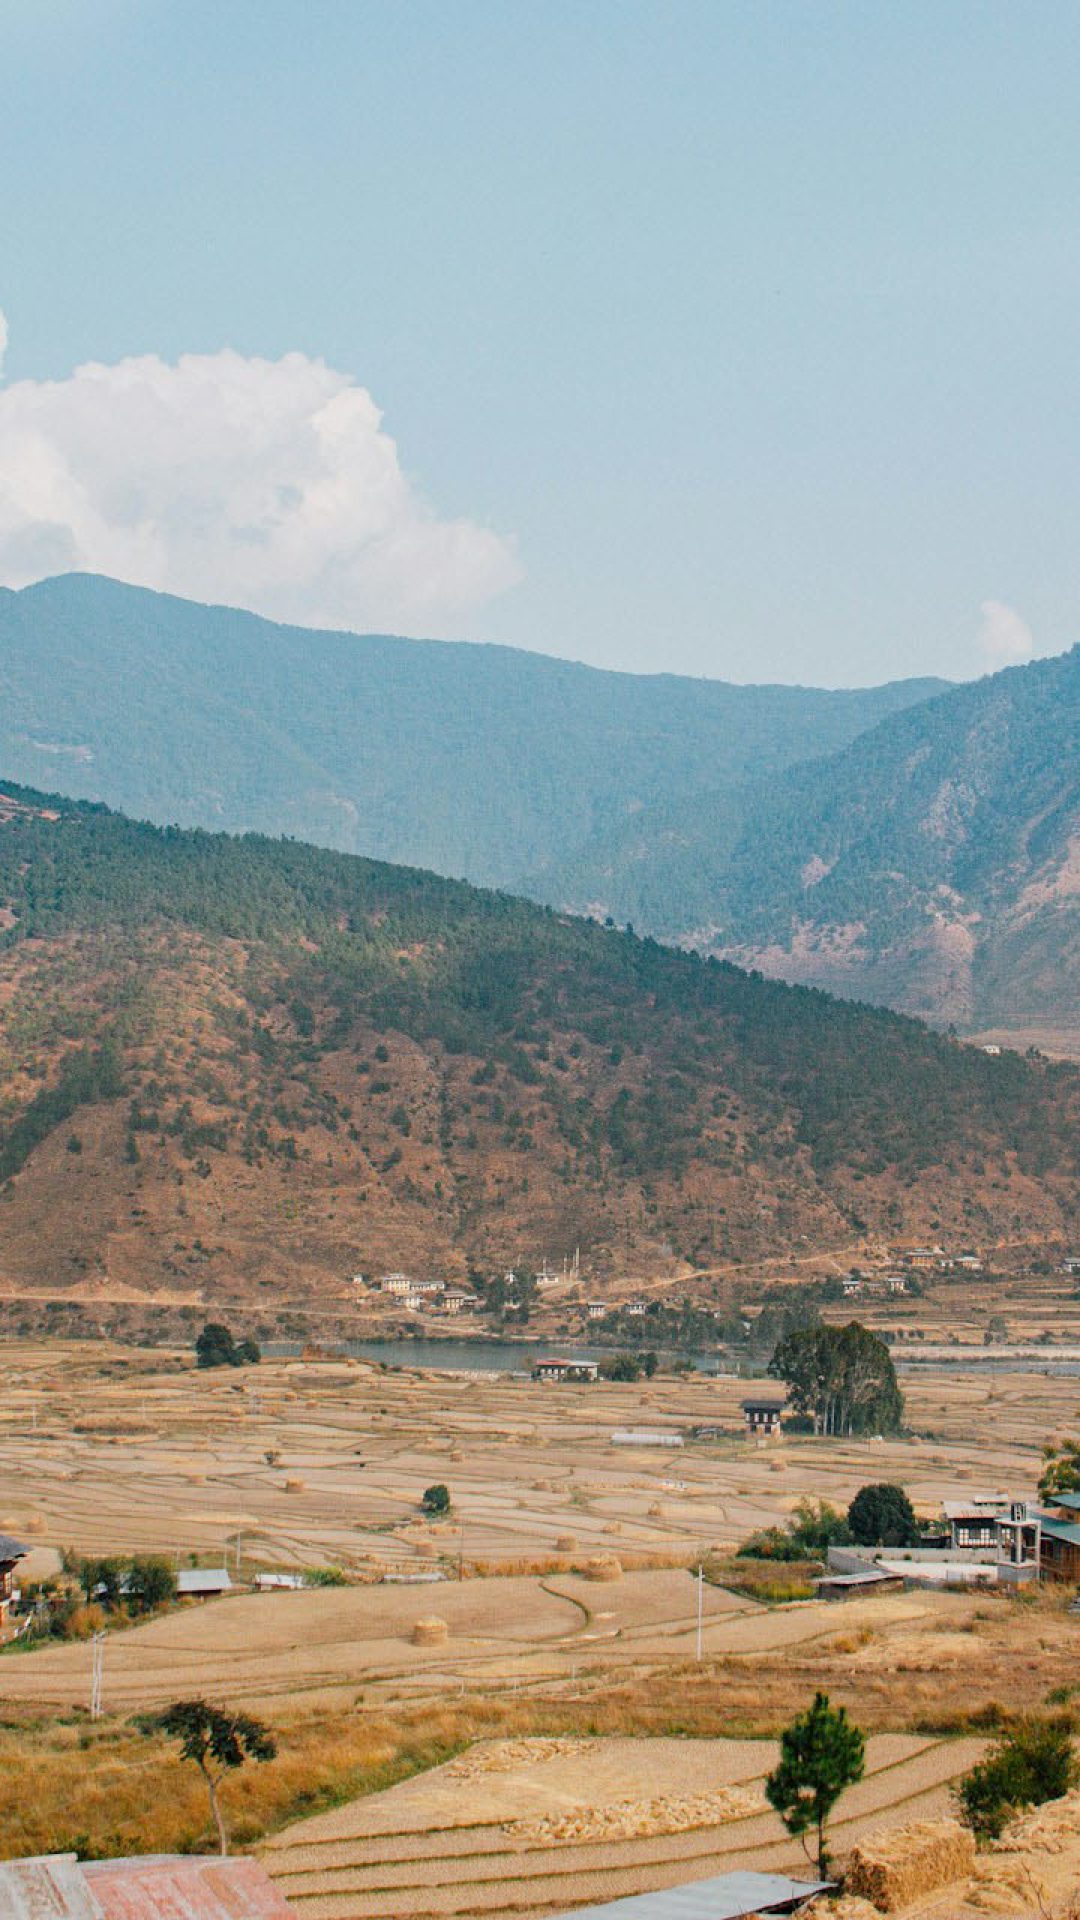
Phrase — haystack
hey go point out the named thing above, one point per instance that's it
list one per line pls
(34, 1523)
(432, 1632)
(565, 1542)
(295, 1486)
(603, 1566)
(896, 1865)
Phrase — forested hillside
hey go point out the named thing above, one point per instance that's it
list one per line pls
(476, 761)
(239, 1067)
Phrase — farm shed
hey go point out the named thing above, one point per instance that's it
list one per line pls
(856, 1586)
(645, 1437)
(727, 1896)
(147, 1888)
(201, 1583)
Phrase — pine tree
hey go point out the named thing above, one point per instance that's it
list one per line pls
(821, 1753)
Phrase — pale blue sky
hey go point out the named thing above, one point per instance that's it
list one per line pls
(753, 325)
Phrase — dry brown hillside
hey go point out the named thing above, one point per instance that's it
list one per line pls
(246, 1068)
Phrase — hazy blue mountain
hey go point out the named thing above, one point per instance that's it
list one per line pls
(506, 768)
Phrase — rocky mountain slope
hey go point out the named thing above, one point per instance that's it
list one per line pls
(234, 1068)
(933, 864)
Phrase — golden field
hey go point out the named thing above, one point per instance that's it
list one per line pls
(297, 1463)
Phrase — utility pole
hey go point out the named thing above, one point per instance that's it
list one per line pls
(700, 1599)
(97, 1662)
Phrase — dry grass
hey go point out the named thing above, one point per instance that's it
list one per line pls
(109, 1788)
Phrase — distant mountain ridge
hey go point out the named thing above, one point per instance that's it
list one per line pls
(477, 761)
(913, 845)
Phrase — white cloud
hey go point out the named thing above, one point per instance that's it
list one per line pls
(1004, 639)
(258, 483)
(3, 338)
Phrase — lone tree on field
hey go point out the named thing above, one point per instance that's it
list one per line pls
(821, 1753)
(436, 1499)
(217, 1741)
(881, 1515)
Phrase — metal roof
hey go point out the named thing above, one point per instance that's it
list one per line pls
(203, 1580)
(173, 1887)
(868, 1579)
(50, 1887)
(1062, 1530)
(729, 1896)
(1070, 1500)
(11, 1549)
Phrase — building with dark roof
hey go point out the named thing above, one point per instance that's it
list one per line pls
(11, 1552)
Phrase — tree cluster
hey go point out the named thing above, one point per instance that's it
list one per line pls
(843, 1377)
(215, 1347)
(1061, 1469)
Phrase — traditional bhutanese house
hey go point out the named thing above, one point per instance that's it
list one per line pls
(456, 1300)
(11, 1552)
(763, 1416)
(1059, 1554)
(972, 1522)
(566, 1370)
(58, 1886)
(595, 1309)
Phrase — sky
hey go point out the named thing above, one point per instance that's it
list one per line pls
(723, 339)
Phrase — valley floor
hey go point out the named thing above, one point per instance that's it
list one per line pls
(585, 1692)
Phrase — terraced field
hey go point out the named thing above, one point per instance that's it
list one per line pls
(282, 1651)
(457, 1842)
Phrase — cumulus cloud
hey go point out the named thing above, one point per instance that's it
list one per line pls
(264, 484)
(1004, 639)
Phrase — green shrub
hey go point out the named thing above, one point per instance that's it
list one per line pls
(1031, 1761)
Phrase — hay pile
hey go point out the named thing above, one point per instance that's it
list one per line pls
(894, 1866)
(295, 1486)
(503, 1756)
(634, 1819)
(1007, 1887)
(848, 1907)
(603, 1566)
(566, 1543)
(432, 1632)
(1051, 1828)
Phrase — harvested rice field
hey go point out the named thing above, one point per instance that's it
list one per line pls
(295, 1464)
(281, 1651)
(534, 1827)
